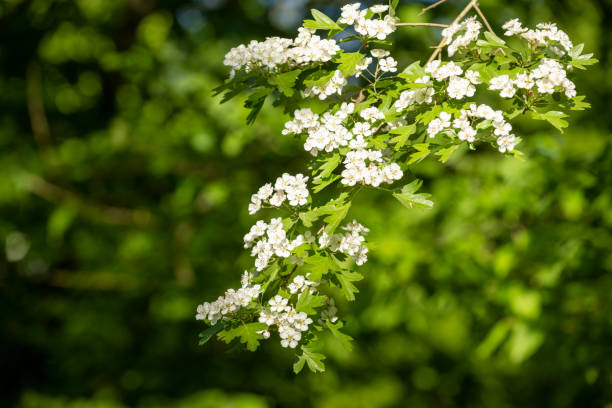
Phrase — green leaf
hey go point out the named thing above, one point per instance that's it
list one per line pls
(255, 102)
(318, 266)
(421, 153)
(346, 279)
(312, 359)
(410, 199)
(309, 217)
(486, 71)
(308, 303)
(498, 333)
(576, 51)
(344, 339)
(211, 331)
(318, 78)
(493, 39)
(583, 61)
(393, 7)
(555, 118)
(579, 103)
(404, 133)
(285, 82)
(321, 22)
(379, 141)
(328, 166)
(321, 184)
(446, 152)
(246, 332)
(348, 62)
(335, 217)
(413, 71)
(580, 61)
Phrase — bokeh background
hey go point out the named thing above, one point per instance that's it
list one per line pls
(123, 192)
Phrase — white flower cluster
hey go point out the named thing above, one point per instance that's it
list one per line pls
(290, 323)
(461, 34)
(545, 34)
(301, 283)
(549, 77)
(349, 243)
(385, 62)
(458, 87)
(231, 302)
(464, 128)
(269, 240)
(333, 86)
(325, 133)
(276, 51)
(378, 28)
(364, 165)
(416, 96)
(286, 187)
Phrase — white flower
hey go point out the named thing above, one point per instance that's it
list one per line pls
(379, 8)
(439, 124)
(362, 129)
(267, 316)
(265, 191)
(504, 85)
(459, 88)
(278, 303)
(372, 114)
(513, 27)
(461, 35)
(264, 333)
(379, 29)
(523, 81)
(506, 143)
(274, 51)
(254, 207)
(388, 64)
(545, 35)
(378, 53)
(290, 338)
(473, 76)
(350, 13)
(231, 302)
(202, 311)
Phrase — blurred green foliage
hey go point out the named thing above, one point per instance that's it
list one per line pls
(123, 197)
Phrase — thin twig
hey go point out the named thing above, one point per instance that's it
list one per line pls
(483, 18)
(458, 19)
(422, 24)
(425, 9)
(105, 213)
(36, 109)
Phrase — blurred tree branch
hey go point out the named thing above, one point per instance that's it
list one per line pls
(105, 213)
(36, 109)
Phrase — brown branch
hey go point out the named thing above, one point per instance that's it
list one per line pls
(483, 18)
(422, 24)
(105, 213)
(426, 9)
(36, 109)
(442, 44)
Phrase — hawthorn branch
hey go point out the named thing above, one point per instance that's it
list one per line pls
(426, 9)
(442, 44)
(483, 18)
(422, 24)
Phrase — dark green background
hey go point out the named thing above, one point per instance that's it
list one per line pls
(123, 194)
